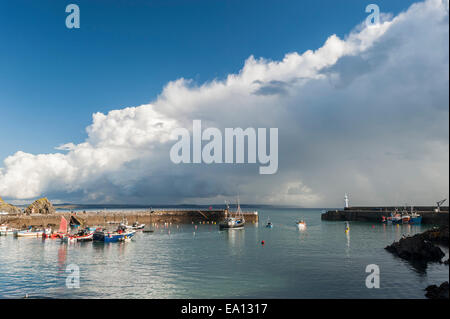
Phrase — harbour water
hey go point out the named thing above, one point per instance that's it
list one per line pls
(199, 261)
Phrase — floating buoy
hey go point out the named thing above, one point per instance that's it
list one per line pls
(262, 242)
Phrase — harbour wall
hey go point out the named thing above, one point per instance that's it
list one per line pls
(375, 214)
(107, 218)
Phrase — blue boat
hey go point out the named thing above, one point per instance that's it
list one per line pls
(416, 219)
(120, 235)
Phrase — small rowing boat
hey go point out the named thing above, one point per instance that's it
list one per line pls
(301, 224)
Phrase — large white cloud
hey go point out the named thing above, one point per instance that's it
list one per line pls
(367, 115)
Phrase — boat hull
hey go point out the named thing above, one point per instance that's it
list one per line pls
(112, 237)
(226, 226)
(28, 234)
(73, 239)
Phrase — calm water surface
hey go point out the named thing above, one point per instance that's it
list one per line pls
(184, 262)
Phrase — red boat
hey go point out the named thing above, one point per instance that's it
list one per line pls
(61, 233)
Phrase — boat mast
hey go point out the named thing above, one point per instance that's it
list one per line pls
(239, 212)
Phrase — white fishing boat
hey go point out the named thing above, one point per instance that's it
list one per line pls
(5, 230)
(234, 222)
(135, 226)
(28, 233)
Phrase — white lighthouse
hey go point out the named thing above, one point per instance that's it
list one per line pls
(346, 200)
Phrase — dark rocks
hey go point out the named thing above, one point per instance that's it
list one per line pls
(420, 247)
(437, 235)
(8, 208)
(40, 206)
(435, 292)
(416, 248)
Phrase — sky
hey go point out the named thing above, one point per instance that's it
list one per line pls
(359, 110)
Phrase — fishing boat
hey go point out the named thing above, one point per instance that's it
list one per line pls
(396, 219)
(80, 236)
(301, 224)
(386, 220)
(28, 233)
(234, 222)
(416, 219)
(135, 226)
(406, 219)
(120, 235)
(60, 234)
(5, 230)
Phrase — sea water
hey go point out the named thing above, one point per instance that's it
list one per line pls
(199, 261)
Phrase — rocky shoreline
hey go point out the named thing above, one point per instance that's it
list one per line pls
(421, 249)
(435, 292)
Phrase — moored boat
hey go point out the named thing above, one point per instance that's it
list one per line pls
(386, 220)
(60, 234)
(121, 234)
(233, 222)
(5, 230)
(416, 219)
(136, 225)
(301, 224)
(397, 219)
(28, 233)
(82, 235)
(406, 219)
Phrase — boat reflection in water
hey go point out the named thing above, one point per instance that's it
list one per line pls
(236, 242)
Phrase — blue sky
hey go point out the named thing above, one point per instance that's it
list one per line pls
(52, 79)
